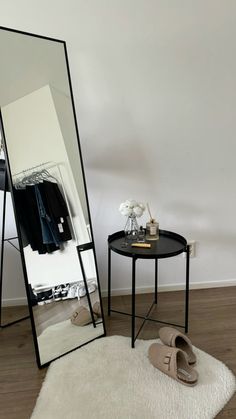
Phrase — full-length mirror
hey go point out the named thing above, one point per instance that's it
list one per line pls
(49, 195)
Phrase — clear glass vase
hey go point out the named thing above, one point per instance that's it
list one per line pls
(131, 228)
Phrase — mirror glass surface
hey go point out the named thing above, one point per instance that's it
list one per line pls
(41, 144)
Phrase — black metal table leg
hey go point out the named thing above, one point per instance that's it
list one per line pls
(156, 280)
(187, 290)
(133, 302)
(109, 282)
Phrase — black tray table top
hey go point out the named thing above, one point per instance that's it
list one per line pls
(169, 244)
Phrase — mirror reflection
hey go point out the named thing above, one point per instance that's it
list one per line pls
(49, 193)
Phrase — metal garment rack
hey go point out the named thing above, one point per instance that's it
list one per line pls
(3, 241)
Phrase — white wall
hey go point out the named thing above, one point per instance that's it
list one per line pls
(65, 116)
(154, 85)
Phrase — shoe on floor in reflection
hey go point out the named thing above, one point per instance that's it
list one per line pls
(82, 316)
(45, 297)
(91, 288)
(73, 291)
(33, 296)
(64, 291)
(49, 298)
(57, 293)
(97, 309)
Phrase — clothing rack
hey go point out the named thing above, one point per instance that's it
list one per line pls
(79, 248)
(30, 169)
(50, 165)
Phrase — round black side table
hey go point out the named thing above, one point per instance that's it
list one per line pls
(169, 244)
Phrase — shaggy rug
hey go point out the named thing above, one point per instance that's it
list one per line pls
(108, 380)
(64, 336)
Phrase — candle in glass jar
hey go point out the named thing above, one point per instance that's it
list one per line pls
(152, 230)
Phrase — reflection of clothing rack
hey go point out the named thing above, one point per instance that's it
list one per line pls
(49, 165)
(79, 248)
(23, 172)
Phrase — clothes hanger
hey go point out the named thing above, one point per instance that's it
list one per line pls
(47, 175)
(34, 178)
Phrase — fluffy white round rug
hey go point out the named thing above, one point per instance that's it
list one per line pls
(108, 380)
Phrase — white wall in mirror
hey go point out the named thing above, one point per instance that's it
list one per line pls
(31, 123)
(62, 103)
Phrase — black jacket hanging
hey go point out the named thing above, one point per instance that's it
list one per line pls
(56, 208)
(29, 216)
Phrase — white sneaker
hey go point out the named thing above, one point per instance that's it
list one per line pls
(64, 291)
(73, 291)
(57, 293)
(91, 288)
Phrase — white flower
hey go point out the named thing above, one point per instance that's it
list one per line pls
(138, 211)
(131, 207)
(127, 211)
(142, 206)
(132, 203)
(122, 206)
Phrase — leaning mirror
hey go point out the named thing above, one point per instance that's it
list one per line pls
(46, 177)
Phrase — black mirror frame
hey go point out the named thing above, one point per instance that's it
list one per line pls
(15, 211)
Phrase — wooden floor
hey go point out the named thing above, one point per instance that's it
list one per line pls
(212, 328)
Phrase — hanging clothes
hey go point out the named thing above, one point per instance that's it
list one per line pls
(56, 208)
(42, 214)
(49, 229)
(27, 212)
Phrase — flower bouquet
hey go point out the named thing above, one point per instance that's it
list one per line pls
(132, 210)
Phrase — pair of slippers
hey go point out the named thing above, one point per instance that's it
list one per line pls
(176, 357)
(82, 316)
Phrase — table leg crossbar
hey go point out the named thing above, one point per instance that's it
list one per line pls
(145, 318)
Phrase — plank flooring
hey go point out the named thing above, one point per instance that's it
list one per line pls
(212, 329)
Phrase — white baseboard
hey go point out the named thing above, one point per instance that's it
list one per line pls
(7, 302)
(173, 287)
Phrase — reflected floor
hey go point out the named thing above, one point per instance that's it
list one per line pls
(58, 311)
(56, 334)
(65, 336)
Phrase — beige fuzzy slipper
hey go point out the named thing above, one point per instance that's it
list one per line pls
(82, 316)
(97, 309)
(174, 338)
(173, 362)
